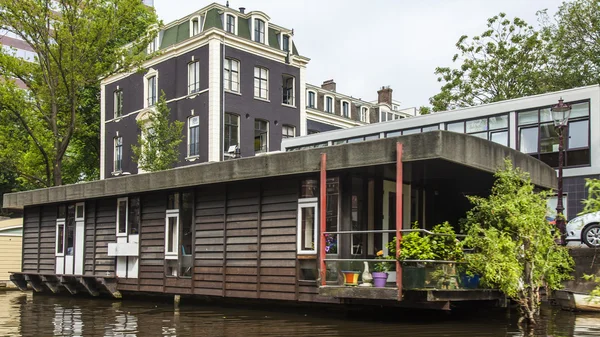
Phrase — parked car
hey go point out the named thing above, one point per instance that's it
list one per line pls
(586, 229)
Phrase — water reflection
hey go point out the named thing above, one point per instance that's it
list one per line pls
(22, 314)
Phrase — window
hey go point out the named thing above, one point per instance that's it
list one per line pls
(195, 27)
(118, 98)
(60, 238)
(179, 227)
(493, 128)
(231, 75)
(261, 83)
(70, 230)
(118, 165)
(261, 136)
(193, 77)
(133, 217)
(307, 226)
(231, 24)
(152, 89)
(288, 90)
(363, 114)
(345, 109)
(232, 135)
(311, 99)
(288, 131)
(259, 30)
(538, 137)
(153, 46)
(329, 104)
(122, 217)
(193, 136)
(285, 43)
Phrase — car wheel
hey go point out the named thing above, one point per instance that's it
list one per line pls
(591, 236)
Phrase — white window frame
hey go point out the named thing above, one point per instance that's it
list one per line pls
(289, 39)
(119, 200)
(288, 126)
(364, 112)
(308, 92)
(60, 222)
(260, 81)
(227, 68)
(190, 126)
(235, 23)
(193, 84)
(154, 45)
(332, 104)
(268, 134)
(200, 20)
(286, 76)
(115, 140)
(342, 108)
(151, 72)
(266, 30)
(82, 217)
(172, 255)
(307, 203)
(118, 108)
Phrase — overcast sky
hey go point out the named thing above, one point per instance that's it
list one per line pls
(366, 44)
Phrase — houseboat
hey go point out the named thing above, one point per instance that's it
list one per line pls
(255, 228)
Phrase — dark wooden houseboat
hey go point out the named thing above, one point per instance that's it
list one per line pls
(253, 228)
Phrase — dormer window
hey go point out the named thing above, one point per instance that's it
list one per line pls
(195, 27)
(363, 114)
(259, 30)
(285, 43)
(230, 27)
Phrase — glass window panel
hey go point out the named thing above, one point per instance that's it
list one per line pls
(134, 215)
(172, 231)
(500, 137)
(186, 223)
(550, 158)
(308, 227)
(60, 239)
(394, 134)
(580, 110)
(578, 157)
(578, 134)
(371, 137)
(477, 125)
(545, 115)
(122, 216)
(173, 201)
(528, 140)
(339, 141)
(498, 122)
(431, 128)
(70, 232)
(61, 212)
(548, 138)
(528, 117)
(411, 131)
(456, 127)
(355, 140)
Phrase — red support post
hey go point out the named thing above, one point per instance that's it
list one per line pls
(399, 204)
(322, 217)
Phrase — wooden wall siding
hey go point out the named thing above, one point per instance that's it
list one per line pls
(47, 258)
(31, 239)
(90, 237)
(105, 232)
(152, 242)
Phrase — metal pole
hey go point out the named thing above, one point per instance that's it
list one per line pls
(398, 217)
(322, 218)
(560, 220)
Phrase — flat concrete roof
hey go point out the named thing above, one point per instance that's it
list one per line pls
(454, 147)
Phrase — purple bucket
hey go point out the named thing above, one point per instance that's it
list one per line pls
(379, 279)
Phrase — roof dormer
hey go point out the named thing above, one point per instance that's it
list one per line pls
(259, 27)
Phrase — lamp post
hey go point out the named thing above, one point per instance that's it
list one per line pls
(560, 116)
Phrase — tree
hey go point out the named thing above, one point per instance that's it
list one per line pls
(76, 43)
(592, 203)
(506, 61)
(573, 44)
(159, 139)
(514, 246)
(424, 110)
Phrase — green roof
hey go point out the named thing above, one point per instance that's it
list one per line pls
(244, 28)
(273, 40)
(213, 19)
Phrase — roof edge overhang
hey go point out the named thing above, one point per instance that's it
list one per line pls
(454, 147)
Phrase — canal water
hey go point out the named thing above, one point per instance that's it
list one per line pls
(23, 314)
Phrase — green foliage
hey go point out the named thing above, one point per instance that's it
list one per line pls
(383, 266)
(159, 139)
(446, 247)
(596, 279)
(424, 110)
(506, 61)
(514, 246)
(51, 134)
(592, 203)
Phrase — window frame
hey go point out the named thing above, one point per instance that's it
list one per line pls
(118, 153)
(332, 103)
(284, 89)
(228, 69)
(266, 146)
(126, 232)
(364, 112)
(60, 222)
(307, 203)
(345, 113)
(289, 42)
(288, 127)
(229, 125)
(172, 255)
(193, 83)
(227, 25)
(258, 34)
(118, 103)
(260, 80)
(149, 75)
(314, 93)
(189, 136)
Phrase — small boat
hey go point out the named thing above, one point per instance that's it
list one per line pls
(571, 300)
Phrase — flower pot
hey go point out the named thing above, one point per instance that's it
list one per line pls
(379, 279)
(351, 277)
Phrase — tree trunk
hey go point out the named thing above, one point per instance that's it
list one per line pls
(57, 174)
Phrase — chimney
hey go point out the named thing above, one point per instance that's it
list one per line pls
(328, 85)
(242, 10)
(385, 95)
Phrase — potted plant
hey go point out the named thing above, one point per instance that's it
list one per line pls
(380, 271)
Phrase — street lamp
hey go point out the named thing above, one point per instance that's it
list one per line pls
(560, 115)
